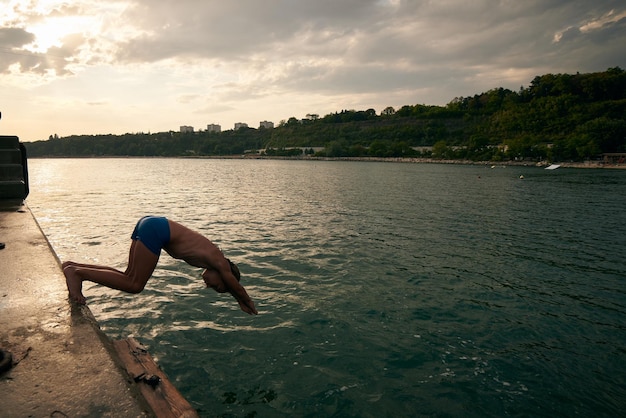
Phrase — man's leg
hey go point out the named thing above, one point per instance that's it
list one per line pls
(141, 265)
(82, 265)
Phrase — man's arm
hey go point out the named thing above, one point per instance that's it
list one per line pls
(234, 287)
(199, 251)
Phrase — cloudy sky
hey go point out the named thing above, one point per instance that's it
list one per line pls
(117, 66)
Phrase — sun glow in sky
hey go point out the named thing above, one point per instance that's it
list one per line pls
(97, 67)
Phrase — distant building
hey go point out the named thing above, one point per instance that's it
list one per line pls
(213, 128)
(240, 125)
(267, 125)
(185, 128)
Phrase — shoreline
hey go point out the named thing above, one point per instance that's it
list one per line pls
(415, 160)
(403, 160)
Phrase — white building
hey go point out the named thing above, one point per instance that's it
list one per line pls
(213, 128)
(267, 125)
(240, 125)
(185, 128)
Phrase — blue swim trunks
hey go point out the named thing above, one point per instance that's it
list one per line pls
(153, 232)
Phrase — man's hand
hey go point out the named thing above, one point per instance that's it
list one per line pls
(247, 306)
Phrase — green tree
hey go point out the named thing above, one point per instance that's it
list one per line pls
(441, 150)
(378, 149)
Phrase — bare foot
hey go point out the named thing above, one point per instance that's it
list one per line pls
(74, 283)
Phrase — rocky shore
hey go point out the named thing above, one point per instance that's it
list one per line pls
(585, 164)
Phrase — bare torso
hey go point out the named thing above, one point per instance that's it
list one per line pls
(190, 246)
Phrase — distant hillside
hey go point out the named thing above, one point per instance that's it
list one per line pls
(559, 117)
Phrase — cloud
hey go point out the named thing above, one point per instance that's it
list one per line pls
(18, 60)
(325, 41)
(37, 43)
(15, 37)
(406, 38)
(236, 30)
(240, 57)
(11, 39)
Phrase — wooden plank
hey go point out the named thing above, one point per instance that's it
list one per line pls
(164, 399)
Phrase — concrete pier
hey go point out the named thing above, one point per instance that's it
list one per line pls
(63, 365)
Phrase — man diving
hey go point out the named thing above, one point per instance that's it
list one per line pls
(150, 236)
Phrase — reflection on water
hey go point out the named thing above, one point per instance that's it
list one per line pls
(383, 289)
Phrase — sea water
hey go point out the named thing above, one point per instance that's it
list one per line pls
(383, 289)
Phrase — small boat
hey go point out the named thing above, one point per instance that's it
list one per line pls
(553, 167)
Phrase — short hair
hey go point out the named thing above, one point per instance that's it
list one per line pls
(235, 270)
